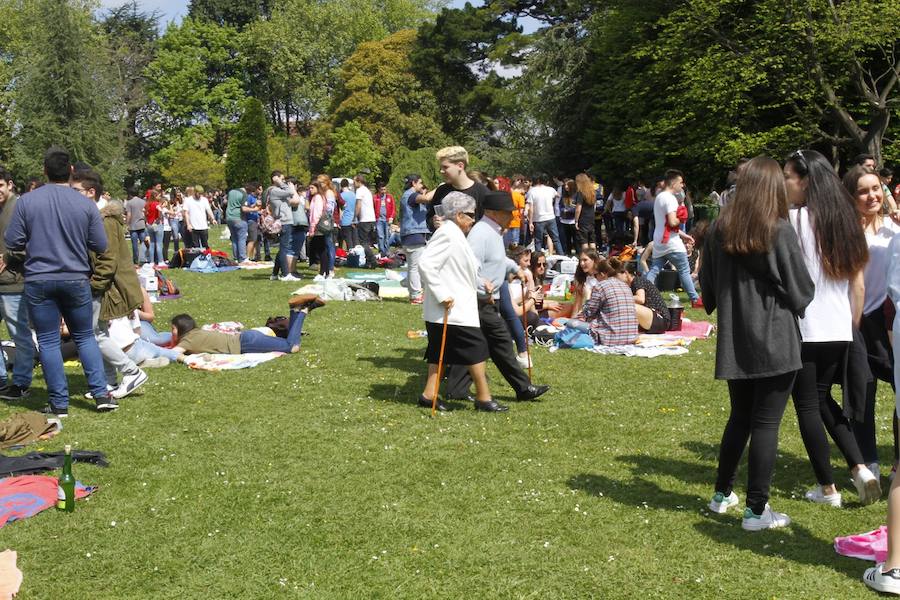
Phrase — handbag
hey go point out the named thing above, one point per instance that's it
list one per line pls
(270, 225)
(325, 224)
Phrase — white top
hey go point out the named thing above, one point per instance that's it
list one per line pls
(448, 269)
(121, 332)
(618, 204)
(828, 317)
(195, 212)
(875, 274)
(542, 197)
(665, 203)
(366, 205)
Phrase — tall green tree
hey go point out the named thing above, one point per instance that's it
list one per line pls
(233, 13)
(248, 151)
(192, 167)
(379, 92)
(62, 92)
(353, 152)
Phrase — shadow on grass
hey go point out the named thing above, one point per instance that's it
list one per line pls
(794, 543)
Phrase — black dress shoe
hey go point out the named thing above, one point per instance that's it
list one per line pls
(490, 406)
(426, 403)
(532, 392)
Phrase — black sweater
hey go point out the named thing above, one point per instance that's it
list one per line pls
(759, 298)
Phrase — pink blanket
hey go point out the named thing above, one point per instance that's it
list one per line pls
(867, 546)
(699, 330)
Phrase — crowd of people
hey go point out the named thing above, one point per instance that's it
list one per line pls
(802, 268)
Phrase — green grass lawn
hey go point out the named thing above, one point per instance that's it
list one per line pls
(316, 475)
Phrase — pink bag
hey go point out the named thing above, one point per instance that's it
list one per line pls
(867, 546)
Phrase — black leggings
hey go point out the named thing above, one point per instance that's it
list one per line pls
(815, 407)
(757, 406)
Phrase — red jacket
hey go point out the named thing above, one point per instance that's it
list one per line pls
(389, 211)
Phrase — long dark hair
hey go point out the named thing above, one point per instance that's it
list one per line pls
(580, 275)
(840, 242)
(748, 223)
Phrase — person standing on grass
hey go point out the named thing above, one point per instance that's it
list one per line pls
(754, 275)
(365, 218)
(348, 217)
(414, 231)
(453, 161)
(237, 223)
(197, 217)
(384, 215)
(57, 228)
(834, 249)
(13, 308)
(137, 225)
(885, 576)
(540, 201)
(449, 275)
(278, 201)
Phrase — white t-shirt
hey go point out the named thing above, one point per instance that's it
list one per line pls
(366, 205)
(618, 203)
(875, 274)
(542, 197)
(828, 317)
(195, 212)
(665, 203)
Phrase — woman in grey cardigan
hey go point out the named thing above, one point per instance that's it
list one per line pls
(753, 273)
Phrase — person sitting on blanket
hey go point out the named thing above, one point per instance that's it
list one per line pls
(652, 312)
(190, 339)
(609, 314)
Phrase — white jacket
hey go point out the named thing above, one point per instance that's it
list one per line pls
(448, 270)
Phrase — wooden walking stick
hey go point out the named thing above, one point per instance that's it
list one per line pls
(437, 383)
(525, 327)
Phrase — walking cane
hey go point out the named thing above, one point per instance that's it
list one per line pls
(525, 327)
(437, 383)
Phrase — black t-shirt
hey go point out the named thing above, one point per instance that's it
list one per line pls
(478, 191)
(652, 298)
(586, 218)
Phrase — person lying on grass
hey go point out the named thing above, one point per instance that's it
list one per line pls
(190, 339)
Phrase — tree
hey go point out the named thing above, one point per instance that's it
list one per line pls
(290, 155)
(191, 167)
(248, 152)
(353, 152)
(58, 71)
(380, 93)
(233, 13)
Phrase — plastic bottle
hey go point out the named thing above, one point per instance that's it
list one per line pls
(415, 334)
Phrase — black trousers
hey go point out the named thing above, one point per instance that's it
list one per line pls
(366, 237)
(757, 406)
(815, 407)
(502, 351)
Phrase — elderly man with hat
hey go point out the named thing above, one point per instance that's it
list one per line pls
(486, 241)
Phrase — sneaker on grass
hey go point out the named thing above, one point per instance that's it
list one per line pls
(816, 495)
(14, 392)
(720, 503)
(50, 411)
(129, 384)
(90, 396)
(867, 486)
(886, 582)
(769, 519)
(106, 404)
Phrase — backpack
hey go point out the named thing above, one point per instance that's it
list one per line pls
(167, 287)
(325, 225)
(574, 338)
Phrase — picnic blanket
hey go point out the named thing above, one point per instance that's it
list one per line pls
(228, 362)
(699, 330)
(671, 343)
(392, 283)
(252, 266)
(871, 545)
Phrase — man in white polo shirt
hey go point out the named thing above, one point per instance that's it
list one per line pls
(365, 218)
(541, 216)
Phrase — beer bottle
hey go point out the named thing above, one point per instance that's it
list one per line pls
(65, 489)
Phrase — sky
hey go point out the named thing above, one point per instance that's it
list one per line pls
(174, 10)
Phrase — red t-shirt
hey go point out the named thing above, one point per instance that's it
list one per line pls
(152, 210)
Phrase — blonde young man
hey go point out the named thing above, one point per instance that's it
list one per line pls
(454, 160)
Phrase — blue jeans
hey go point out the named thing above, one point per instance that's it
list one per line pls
(680, 261)
(511, 237)
(149, 333)
(254, 341)
(512, 317)
(284, 250)
(238, 230)
(15, 312)
(384, 236)
(548, 228)
(156, 243)
(137, 246)
(141, 350)
(71, 300)
(298, 240)
(176, 233)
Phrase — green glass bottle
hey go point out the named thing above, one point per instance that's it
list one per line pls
(65, 491)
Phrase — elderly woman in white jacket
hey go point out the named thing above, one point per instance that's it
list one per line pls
(448, 270)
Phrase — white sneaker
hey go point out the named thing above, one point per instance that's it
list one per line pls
(109, 388)
(719, 503)
(888, 583)
(155, 363)
(867, 486)
(769, 519)
(524, 360)
(129, 384)
(289, 277)
(816, 495)
(273, 277)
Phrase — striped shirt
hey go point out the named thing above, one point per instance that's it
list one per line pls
(611, 314)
